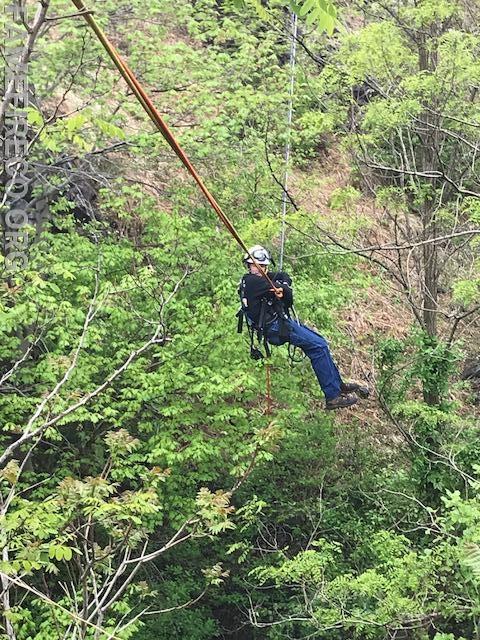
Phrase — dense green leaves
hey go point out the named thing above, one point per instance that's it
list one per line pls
(152, 495)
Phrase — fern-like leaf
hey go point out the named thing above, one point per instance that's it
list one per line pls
(320, 12)
(256, 4)
(472, 558)
(260, 9)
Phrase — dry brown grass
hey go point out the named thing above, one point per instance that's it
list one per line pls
(378, 312)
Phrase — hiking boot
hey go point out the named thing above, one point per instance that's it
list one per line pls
(341, 402)
(354, 387)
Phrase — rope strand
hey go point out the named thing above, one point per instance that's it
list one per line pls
(268, 394)
(293, 52)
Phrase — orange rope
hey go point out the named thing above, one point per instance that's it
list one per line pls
(162, 126)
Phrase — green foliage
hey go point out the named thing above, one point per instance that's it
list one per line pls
(333, 531)
(214, 508)
(319, 13)
(421, 359)
(466, 292)
(434, 363)
(344, 198)
(380, 596)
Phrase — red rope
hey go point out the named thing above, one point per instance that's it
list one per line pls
(269, 389)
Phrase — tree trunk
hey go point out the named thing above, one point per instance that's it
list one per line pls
(428, 163)
(6, 585)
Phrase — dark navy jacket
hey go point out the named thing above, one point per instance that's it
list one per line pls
(253, 289)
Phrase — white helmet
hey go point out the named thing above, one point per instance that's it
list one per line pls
(260, 254)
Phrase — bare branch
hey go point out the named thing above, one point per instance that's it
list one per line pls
(33, 32)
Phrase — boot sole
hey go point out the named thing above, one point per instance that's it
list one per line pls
(340, 406)
(361, 392)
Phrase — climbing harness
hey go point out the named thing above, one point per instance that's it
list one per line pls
(293, 358)
(271, 310)
(254, 331)
(259, 331)
(257, 335)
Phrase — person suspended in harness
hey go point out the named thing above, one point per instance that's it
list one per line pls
(267, 314)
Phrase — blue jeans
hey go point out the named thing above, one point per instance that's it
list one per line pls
(316, 348)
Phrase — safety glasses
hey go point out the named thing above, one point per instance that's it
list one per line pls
(261, 256)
